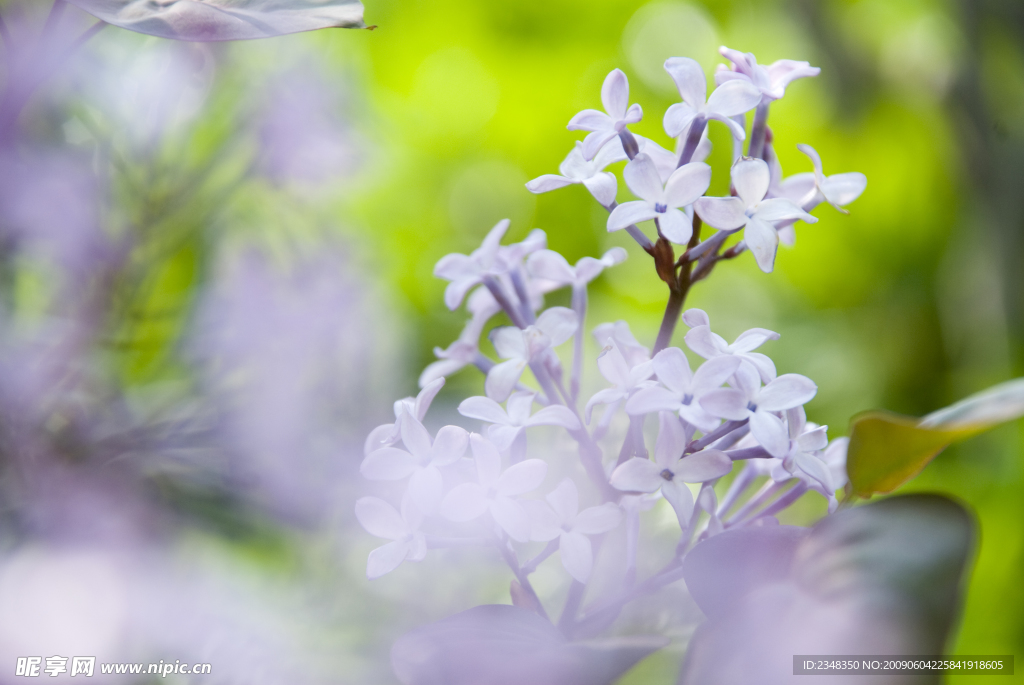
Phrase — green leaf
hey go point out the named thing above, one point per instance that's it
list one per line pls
(886, 450)
(216, 20)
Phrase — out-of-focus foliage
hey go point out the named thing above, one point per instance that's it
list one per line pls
(224, 168)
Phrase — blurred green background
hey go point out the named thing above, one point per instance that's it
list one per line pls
(914, 300)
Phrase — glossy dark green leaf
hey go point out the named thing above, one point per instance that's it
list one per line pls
(216, 20)
(505, 645)
(886, 450)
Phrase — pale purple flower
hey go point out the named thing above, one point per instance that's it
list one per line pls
(626, 378)
(389, 433)
(726, 101)
(671, 470)
(465, 350)
(751, 211)
(520, 347)
(619, 332)
(560, 517)
(749, 400)
(381, 520)
(488, 260)
(577, 169)
(510, 421)
(664, 203)
(495, 490)
(420, 461)
(617, 115)
(552, 266)
(680, 390)
(771, 81)
(709, 345)
(808, 190)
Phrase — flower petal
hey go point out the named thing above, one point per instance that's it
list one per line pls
(630, 213)
(555, 415)
(713, 373)
(606, 396)
(728, 403)
(703, 466)
(508, 342)
(689, 79)
(733, 97)
(519, 405)
(814, 440)
(388, 463)
(725, 213)
(763, 242)
(545, 524)
(502, 378)
(603, 187)
(696, 317)
(615, 94)
(735, 129)
(565, 500)
(426, 487)
(511, 516)
(842, 189)
(769, 432)
(550, 265)
(415, 437)
(449, 445)
(650, 400)
(593, 143)
(577, 555)
(599, 519)
(681, 499)
(673, 370)
(787, 391)
(642, 177)
(591, 120)
(781, 209)
(548, 182)
(678, 118)
(637, 475)
(704, 342)
(464, 502)
(815, 468)
(484, 409)
(379, 518)
(386, 559)
(558, 323)
(752, 339)
(521, 478)
(671, 441)
(676, 226)
(751, 178)
(762, 364)
(687, 183)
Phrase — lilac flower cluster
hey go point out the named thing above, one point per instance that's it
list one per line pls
(491, 487)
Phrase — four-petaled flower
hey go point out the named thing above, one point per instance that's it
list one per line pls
(626, 378)
(810, 189)
(709, 345)
(495, 490)
(771, 81)
(551, 266)
(561, 518)
(520, 347)
(603, 127)
(684, 186)
(671, 470)
(726, 101)
(748, 400)
(381, 520)
(421, 463)
(510, 422)
(577, 169)
(751, 210)
(681, 389)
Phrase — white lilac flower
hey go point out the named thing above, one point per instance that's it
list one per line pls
(749, 400)
(680, 390)
(420, 461)
(751, 211)
(771, 80)
(389, 433)
(495, 490)
(551, 266)
(709, 345)
(617, 115)
(619, 332)
(626, 378)
(520, 347)
(577, 169)
(726, 101)
(661, 202)
(808, 190)
(490, 259)
(671, 470)
(510, 421)
(381, 520)
(560, 517)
